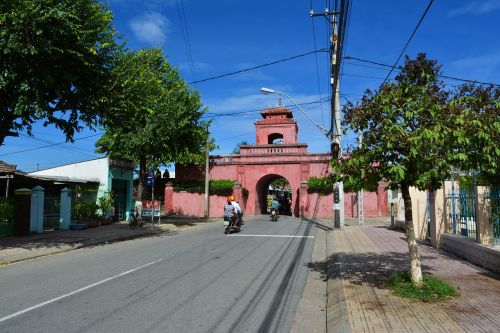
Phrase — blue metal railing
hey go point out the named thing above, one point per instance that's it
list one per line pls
(462, 206)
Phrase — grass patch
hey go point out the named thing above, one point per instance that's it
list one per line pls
(432, 289)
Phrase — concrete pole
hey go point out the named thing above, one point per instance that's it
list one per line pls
(207, 176)
(36, 218)
(65, 210)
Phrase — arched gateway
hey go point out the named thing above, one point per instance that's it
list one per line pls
(276, 154)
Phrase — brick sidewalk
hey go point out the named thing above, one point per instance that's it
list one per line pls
(361, 260)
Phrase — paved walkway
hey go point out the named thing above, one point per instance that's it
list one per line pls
(361, 258)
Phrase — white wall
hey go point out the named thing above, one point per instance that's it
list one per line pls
(93, 170)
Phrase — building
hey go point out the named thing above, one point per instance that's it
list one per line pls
(276, 154)
(112, 174)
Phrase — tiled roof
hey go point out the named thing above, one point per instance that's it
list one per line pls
(272, 121)
(4, 167)
(277, 110)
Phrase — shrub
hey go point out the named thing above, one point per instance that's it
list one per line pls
(319, 185)
(432, 289)
(7, 212)
(223, 187)
(83, 210)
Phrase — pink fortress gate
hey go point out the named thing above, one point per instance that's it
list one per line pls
(276, 154)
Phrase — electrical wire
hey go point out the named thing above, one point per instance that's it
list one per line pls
(212, 114)
(409, 39)
(68, 149)
(50, 145)
(317, 68)
(185, 35)
(258, 66)
(400, 67)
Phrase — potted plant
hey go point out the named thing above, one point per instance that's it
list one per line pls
(105, 205)
(84, 215)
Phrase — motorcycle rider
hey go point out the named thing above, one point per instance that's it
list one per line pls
(275, 205)
(230, 214)
(238, 210)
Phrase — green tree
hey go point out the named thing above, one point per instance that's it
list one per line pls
(155, 118)
(407, 131)
(236, 149)
(477, 116)
(54, 64)
(280, 183)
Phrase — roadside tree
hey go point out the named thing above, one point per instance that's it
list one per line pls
(477, 116)
(155, 117)
(407, 130)
(55, 63)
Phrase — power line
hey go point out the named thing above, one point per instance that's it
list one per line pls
(400, 67)
(317, 68)
(259, 110)
(70, 149)
(185, 35)
(258, 66)
(409, 39)
(50, 145)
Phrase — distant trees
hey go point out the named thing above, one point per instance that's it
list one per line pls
(415, 131)
(55, 64)
(154, 117)
(476, 112)
(236, 149)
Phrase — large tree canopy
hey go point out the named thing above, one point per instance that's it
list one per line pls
(407, 130)
(155, 118)
(55, 57)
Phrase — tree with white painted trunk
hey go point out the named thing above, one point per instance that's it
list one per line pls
(408, 128)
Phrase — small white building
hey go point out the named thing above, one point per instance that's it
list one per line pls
(113, 174)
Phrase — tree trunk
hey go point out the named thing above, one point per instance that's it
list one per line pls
(142, 178)
(416, 271)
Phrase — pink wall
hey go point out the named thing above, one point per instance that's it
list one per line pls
(192, 204)
(289, 132)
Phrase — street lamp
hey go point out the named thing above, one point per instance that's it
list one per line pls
(333, 137)
(267, 91)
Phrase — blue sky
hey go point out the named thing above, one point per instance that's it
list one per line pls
(225, 36)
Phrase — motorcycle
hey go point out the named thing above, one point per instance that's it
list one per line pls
(274, 214)
(230, 225)
(135, 220)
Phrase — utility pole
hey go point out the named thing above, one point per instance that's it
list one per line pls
(361, 195)
(334, 134)
(207, 175)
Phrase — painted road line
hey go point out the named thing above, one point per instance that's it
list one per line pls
(271, 236)
(18, 313)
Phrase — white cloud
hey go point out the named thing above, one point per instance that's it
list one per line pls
(151, 28)
(198, 66)
(477, 8)
(479, 67)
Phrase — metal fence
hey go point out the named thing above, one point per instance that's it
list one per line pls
(51, 212)
(462, 208)
(494, 197)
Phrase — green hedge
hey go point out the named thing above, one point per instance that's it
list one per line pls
(222, 187)
(319, 185)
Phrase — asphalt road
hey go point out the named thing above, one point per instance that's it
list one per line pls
(198, 280)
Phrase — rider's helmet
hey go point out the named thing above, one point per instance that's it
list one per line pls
(232, 198)
(229, 200)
